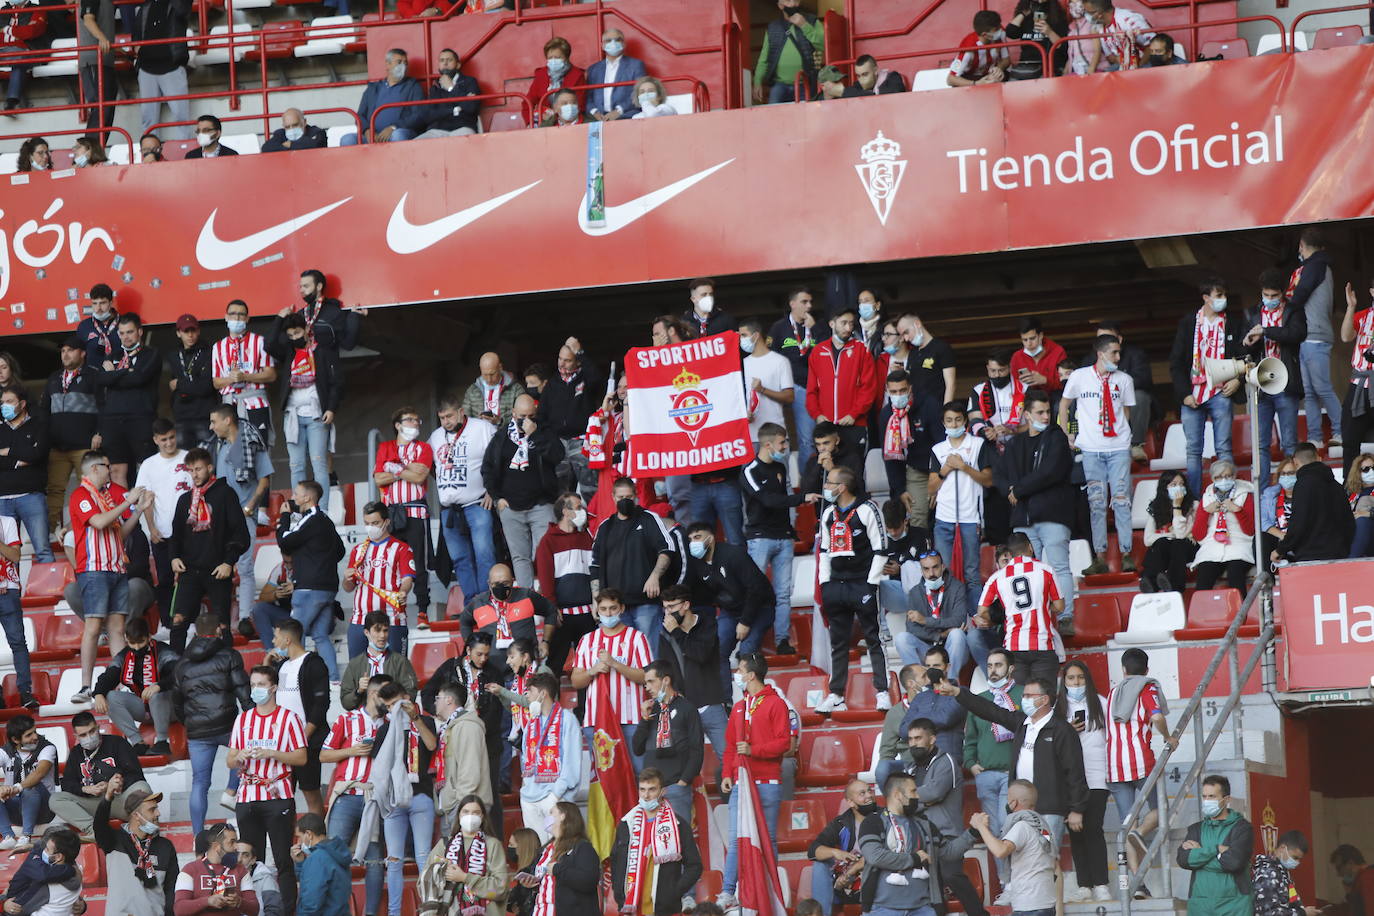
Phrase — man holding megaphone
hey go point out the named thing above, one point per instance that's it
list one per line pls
(1276, 332)
(1207, 334)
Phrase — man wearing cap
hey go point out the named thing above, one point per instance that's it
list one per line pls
(830, 83)
(70, 408)
(140, 864)
(192, 384)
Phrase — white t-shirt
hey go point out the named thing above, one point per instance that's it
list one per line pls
(289, 685)
(15, 765)
(1031, 886)
(1094, 741)
(961, 497)
(1084, 388)
(774, 372)
(458, 462)
(167, 479)
(1025, 758)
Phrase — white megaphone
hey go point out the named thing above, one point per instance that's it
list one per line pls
(1269, 376)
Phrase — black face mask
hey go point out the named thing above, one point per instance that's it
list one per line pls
(1002, 382)
(500, 590)
(912, 808)
(791, 10)
(866, 810)
(625, 506)
(1158, 60)
(299, 343)
(309, 298)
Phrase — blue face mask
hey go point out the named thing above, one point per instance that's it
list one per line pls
(47, 859)
(1077, 693)
(260, 695)
(697, 549)
(890, 349)
(934, 584)
(229, 859)
(1288, 481)
(8, 411)
(1108, 367)
(1211, 807)
(611, 622)
(866, 310)
(1038, 426)
(1270, 303)
(746, 344)
(955, 432)
(900, 400)
(281, 652)
(236, 327)
(1029, 706)
(1224, 484)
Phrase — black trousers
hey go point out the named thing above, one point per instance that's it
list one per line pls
(1038, 663)
(1170, 556)
(261, 821)
(952, 870)
(162, 561)
(98, 83)
(192, 587)
(416, 535)
(1089, 845)
(845, 603)
(1236, 570)
(565, 639)
(190, 433)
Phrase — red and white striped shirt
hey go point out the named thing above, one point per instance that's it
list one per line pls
(394, 457)
(345, 733)
(1364, 339)
(1026, 587)
(381, 565)
(263, 778)
(9, 572)
(241, 354)
(629, 647)
(1129, 755)
(1209, 342)
(97, 549)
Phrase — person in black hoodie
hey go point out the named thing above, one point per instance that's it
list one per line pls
(1276, 330)
(330, 326)
(193, 391)
(70, 409)
(137, 687)
(24, 469)
(308, 536)
(211, 686)
(295, 134)
(209, 534)
(162, 67)
(129, 380)
(1322, 525)
(520, 472)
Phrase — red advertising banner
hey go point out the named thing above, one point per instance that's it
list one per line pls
(1165, 151)
(686, 406)
(1328, 623)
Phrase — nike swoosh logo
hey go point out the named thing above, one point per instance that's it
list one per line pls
(405, 237)
(622, 215)
(215, 253)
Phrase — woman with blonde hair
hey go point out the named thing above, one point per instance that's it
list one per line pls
(466, 874)
(567, 875)
(524, 849)
(653, 100)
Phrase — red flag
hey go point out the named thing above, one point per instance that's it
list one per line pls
(759, 891)
(613, 790)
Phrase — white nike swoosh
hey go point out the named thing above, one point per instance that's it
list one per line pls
(215, 253)
(622, 215)
(405, 237)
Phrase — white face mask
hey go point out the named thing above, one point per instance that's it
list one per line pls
(375, 532)
(1367, 477)
(955, 432)
(1219, 304)
(613, 48)
(295, 133)
(536, 708)
(90, 742)
(918, 338)
(1177, 492)
(705, 304)
(568, 111)
(398, 72)
(579, 518)
(470, 823)
(1223, 484)
(204, 140)
(410, 433)
(80, 161)
(648, 99)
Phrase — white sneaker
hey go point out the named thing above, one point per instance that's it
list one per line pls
(1002, 900)
(1082, 895)
(1103, 894)
(884, 701)
(8, 842)
(727, 902)
(228, 800)
(832, 702)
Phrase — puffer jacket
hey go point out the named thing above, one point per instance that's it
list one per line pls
(324, 880)
(211, 688)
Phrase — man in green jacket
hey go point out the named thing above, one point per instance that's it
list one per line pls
(1218, 850)
(793, 44)
(988, 748)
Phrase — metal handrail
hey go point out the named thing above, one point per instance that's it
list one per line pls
(266, 116)
(1127, 881)
(1285, 44)
(417, 103)
(907, 55)
(1293, 26)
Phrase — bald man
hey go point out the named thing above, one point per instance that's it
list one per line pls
(835, 850)
(505, 613)
(520, 472)
(565, 404)
(295, 134)
(1025, 842)
(493, 395)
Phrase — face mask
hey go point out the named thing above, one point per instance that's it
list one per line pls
(611, 622)
(705, 304)
(747, 344)
(375, 532)
(470, 822)
(1029, 706)
(911, 808)
(579, 518)
(918, 338)
(1270, 303)
(29, 748)
(625, 506)
(1287, 481)
(500, 590)
(649, 804)
(1177, 492)
(557, 66)
(648, 99)
(829, 495)
(1158, 60)
(1077, 693)
(299, 343)
(1038, 426)
(47, 859)
(613, 48)
(1002, 382)
(997, 684)
(1219, 304)
(307, 848)
(791, 10)
(935, 583)
(229, 859)
(536, 708)
(8, 411)
(890, 349)
(236, 327)
(398, 72)
(697, 549)
(149, 829)
(410, 433)
(91, 742)
(260, 695)
(204, 140)
(280, 651)
(866, 310)
(1367, 477)
(1108, 367)
(295, 133)
(81, 161)
(568, 112)
(839, 340)
(1223, 485)
(660, 489)
(921, 755)
(1289, 863)
(780, 453)
(1210, 807)
(901, 400)
(739, 681)
(954, 432)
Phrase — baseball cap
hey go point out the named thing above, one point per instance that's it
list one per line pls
(137, 797)
(830, 74)
(188, 322)
(74, 343)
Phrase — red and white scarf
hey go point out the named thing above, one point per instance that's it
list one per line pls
(1364, 339)
(1107, 414)
(1272, 318)
(897, 435)
(1002, 697)
(1209, 342)
(376, 661)
(149, 668)
(543, 898)
(474, 862)
(303, 366)
(200, 517)
(657, 837)
(440, 755)
(521, 714)
(542, 759)
(988, 402)
(663, 737)
(491, 398)
(69, 376)
(1283, 510)
(521, 459)
(1222, 534)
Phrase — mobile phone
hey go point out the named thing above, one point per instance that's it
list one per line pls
(367, 740)
(1039, 15)
(1081, 716)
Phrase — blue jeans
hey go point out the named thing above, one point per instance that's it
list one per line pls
(472, 551)
(884, 769)
(1314, 361)
(775, 555)
(992, 795)
(103, 593)
(912, 649)
(1112, 470)
(968, 534)
(266, 616)
(720, 501)
(1218, 409)
(888, 911)
(782, 92)
(680, 799)
(30, 806)
(397, 135)
(344, 817)
(1051, 543)
(1125, 794)
(397, 639)
(312, 440)
(31, 509)
(725, 635)
(248, 586)
(417, 821)
(312, 607)
(647, 619)
(770, 797)
(202, 752)
(12, 619)
(806, 426)
(1285, 407)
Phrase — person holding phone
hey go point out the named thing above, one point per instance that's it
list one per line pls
(1080, 703)
(351, 744)
(1043, 22)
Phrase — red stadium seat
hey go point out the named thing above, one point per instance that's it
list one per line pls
(831, 758)
(806, 528)
(505, 120)
(1210, 614)
(63, 632)
(797, 691)
(798, 823)
(453, 609)
(43, 688)
(1096, 619)
(426, 657)
(974, 871)
(1230, 49)
(280, 40)
(91, 861)
(174, 150)
(46, 582)
(1337, 37)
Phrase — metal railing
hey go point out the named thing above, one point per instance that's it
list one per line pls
(1285, 46)
(442, 103)
(848, 65)
(1128, 880)
(267, 117)
(701, 95)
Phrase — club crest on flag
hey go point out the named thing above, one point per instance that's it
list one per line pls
(690, 406)
(603, 749)
(881, 173)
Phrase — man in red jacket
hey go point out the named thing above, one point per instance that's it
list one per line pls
(842, 381)
(1034, 365)
(758, 731)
